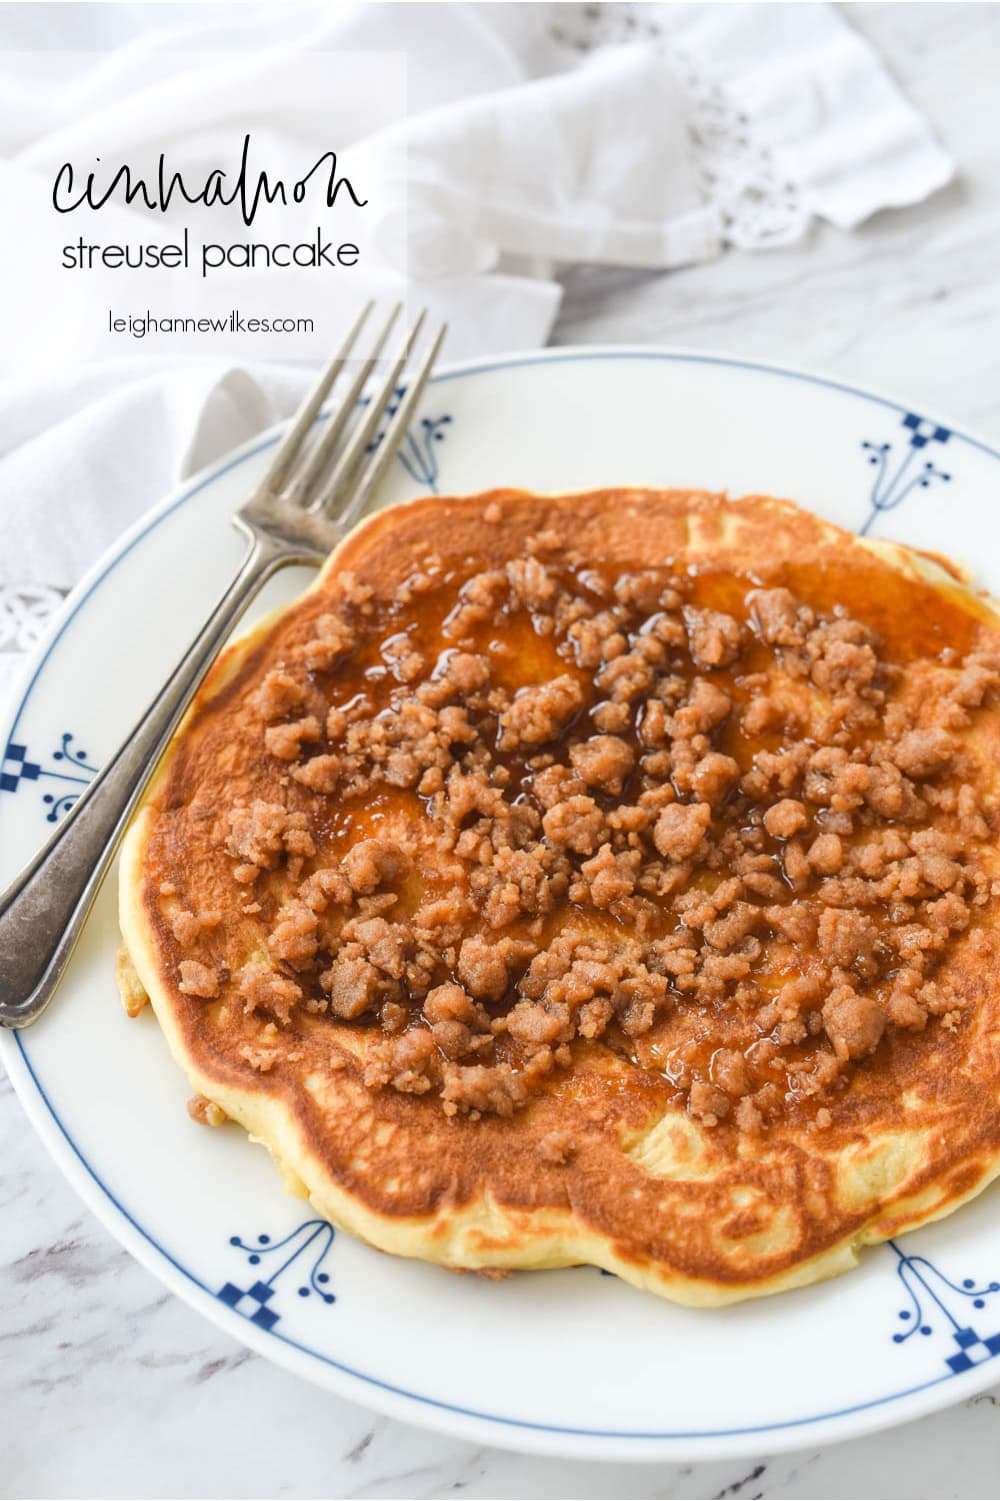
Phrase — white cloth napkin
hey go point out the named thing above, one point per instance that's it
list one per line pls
(533, 136)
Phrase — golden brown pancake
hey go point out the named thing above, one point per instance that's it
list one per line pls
(604, 878)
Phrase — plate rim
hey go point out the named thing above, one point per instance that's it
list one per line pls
(369, 1390)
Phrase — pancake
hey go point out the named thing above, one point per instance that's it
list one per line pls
(605, 878)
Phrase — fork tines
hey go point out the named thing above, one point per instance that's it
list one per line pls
(331, 475)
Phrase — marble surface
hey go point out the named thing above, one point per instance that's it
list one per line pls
(108, 1385)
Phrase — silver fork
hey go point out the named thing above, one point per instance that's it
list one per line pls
(310, 496)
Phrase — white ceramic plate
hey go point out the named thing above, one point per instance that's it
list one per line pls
(570, 1362)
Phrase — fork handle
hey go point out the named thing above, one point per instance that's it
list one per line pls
(43, 912)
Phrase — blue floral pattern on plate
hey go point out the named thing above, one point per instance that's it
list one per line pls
(68, 765)
(418, 450)
(935, 1305)
(898, 471)
(932, 1295)
(256, 1301)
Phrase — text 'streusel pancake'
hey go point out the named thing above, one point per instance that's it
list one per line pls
(604, 878)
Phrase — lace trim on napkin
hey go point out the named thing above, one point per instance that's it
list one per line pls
(757, 205)
(26, 612)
